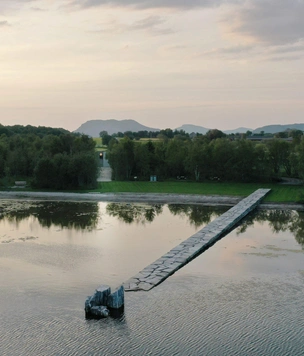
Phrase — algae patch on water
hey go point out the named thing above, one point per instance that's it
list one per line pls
(274, 251)
(267, 254)
(278, 249)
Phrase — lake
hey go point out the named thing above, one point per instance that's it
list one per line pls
(243, 296)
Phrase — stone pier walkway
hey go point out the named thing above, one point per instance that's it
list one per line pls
(180, 255)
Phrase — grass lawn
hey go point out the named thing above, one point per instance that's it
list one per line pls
(145, 140)
(279, 193)
(99, 146)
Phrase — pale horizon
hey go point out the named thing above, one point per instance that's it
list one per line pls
(218, 64)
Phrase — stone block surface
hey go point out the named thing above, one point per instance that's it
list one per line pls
(177, 257)
(116, 300)
(100, 297)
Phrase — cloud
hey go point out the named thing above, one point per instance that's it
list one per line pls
(257, 52)
(274, 22)
(146, 23)
(299, 47)
(229, 52)
(38, 9)
(151, 24)
(285, 58)
(149, 4)
(4, 24)
(9, 5)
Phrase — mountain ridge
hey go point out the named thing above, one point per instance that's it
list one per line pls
(94, 127)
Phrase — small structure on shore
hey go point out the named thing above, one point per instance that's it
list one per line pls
(20, 184)
(104, 303)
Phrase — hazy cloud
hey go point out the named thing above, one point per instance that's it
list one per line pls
(38, 9)
(146, 4)
(235, 49)
(269, 53)
(148, 22)
(231, 51)
(4, 24)
(273, 22)
(285, 58)
(152, 24)
(8, 5)
(288, 49)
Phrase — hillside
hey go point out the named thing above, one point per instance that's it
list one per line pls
(279, 128)
(238, 130)
(93, 127)
(193, 128)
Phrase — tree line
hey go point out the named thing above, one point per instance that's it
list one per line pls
(213, 156)
(214, 133)
(47, 157)
(166, 133)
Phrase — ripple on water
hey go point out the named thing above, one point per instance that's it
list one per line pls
(251, 317)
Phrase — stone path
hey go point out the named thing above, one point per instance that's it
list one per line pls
(180, 255)
(105, 174)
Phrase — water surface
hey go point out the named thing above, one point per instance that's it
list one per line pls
(243, 296)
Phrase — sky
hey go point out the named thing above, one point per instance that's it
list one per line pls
(164, 63)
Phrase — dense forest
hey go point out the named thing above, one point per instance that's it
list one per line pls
(54, 158)
(214, 156)
(47, 157)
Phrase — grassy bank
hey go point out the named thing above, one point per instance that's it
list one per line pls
(279, 193)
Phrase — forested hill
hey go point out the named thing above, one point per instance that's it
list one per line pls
(46, 158)
(24, 130)
(94, 127)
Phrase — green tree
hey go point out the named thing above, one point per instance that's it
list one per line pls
(141, 161)
(214, 134)
(279, 153)
(197, 161)
(222, 153)
(121, 159)
(175, 156)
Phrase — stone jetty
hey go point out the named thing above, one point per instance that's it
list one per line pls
(180, 255)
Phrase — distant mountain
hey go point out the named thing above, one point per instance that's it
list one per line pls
(238, 130)
(93, 127)
(203, 130)
(193, 128)
(267, 129)
(278, 128)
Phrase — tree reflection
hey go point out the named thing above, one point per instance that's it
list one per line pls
(278, 220)
(297, 228)
(139, 213)
(197, 214)
(74, 215)
(134, 213)
(81, 215)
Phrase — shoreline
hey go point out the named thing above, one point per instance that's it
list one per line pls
(150, 198)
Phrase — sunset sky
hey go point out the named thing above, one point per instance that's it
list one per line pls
(214, 63)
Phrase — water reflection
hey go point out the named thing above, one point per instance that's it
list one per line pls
(141, 214)
(86, 216)
(197, 215)
(134, 213)
(78, 216)
(279, 221)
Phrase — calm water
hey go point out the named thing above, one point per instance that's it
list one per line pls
(244, 296)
